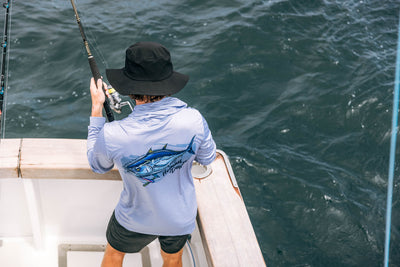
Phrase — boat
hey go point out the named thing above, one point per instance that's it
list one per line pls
(54, 210)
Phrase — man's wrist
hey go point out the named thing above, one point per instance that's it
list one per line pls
(97, 111)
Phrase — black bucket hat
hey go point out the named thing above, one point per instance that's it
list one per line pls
(148, 71)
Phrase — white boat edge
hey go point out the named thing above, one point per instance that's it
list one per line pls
(51, 202)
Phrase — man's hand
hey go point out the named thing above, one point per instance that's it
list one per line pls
(98, 97)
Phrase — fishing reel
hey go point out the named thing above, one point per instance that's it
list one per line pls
(116, 102)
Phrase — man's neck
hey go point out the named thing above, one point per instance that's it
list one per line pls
(141, 102)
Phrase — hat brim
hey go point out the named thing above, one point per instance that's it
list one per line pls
(127, 86)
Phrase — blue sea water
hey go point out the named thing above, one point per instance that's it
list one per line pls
(297, 93)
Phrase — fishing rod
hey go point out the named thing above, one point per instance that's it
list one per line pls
(4, 67)
(113, 95)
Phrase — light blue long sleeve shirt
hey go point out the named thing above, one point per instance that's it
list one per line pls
(153, 149)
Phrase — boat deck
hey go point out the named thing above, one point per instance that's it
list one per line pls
(21, 252)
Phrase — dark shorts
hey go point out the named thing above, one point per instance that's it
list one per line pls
(131, 242)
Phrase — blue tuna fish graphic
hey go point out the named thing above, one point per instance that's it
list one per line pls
(155, 164)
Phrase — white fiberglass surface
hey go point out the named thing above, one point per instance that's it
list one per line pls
(39, 214)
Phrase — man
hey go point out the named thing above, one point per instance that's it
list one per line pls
(153, 148)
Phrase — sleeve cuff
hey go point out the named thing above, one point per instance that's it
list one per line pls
(97, 121)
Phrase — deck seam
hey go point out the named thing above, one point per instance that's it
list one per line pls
(19, 159)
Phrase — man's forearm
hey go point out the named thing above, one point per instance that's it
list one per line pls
(96, 150)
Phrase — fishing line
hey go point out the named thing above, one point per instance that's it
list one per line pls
(92, 63)
(113, 99)
(96, 49)
(4, 67)
(392, 151)
(191, 253)
(94, 43)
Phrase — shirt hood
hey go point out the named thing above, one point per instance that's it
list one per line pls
(157, 110)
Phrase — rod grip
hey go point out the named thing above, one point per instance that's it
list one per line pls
(94, 69)
(107, 109)
(96, 76)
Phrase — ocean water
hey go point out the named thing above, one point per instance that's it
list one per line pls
(297, 93)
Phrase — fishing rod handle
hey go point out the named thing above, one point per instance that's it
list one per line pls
(95, 70)
(107, 109)
(96, 76)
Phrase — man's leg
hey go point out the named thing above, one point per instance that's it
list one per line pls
(112, 257)
(172, 260)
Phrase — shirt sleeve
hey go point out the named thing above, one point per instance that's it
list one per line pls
(207, 151)
(97, 155)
